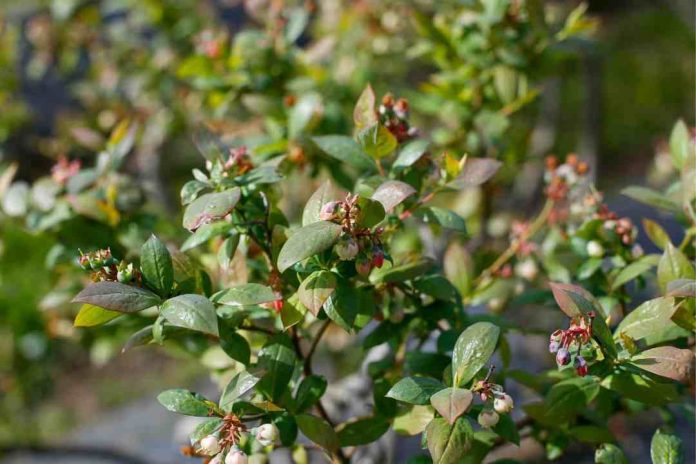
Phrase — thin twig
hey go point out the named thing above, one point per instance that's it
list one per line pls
(515, 246)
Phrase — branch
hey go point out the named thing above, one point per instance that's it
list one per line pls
(515, 246)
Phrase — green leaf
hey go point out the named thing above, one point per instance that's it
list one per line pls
(210, 207)
(392, 193)
(402, 272)
(311, 389)
(641, 388)
(475, 172)
(650, 197)
(250, 294)
(667, 361)
(666, 449)
(184, 402)
(652, 322)
(204, 429)
(191, 189)
(277, 358)
(444, 217)
(156, 266)
(301, 113)
(227, 250)
(362, 431)
(415, 390)
(672, 266)
(319, 431)
(308, 241)
(413, 421)
(680, 144)
(205, 233)
(412, 152)
(377, 141)
(343, 306)
(117, 297)
(323, 195)
(588, 268)
(448, 444)
(316, 289)
(346, 150)
(591, 434)
(191, 311)
(235, 346)
(473, 349)
(682, 288)
(569, 397)
(242, 383)
(609, 454)
(507, 429)
(371, 212)
(90, 316)
(364, 114)
(635, 269)
(656, 233)
(452, 402)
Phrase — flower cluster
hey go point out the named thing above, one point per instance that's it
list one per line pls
(394, 115)
(561, 179)
(357, 243)
(237, 162)
(496, 401)
(223, 446)
(63, 170)
(106, 268)
(580, 333)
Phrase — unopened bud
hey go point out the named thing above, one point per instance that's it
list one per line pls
(580, 366)
(363, 267)
(488, 419)
(595, 249)
(503, 404)
(554, 346)
(266, 434)
(236, 456)
(377, 257)
(328, 210)
(347, 249)
(563, 357)
(527, 269)
(210, 445)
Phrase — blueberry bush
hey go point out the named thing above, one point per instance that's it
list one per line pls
(324, 212)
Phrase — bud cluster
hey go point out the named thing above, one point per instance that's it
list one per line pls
(495, 399)
(106, 268)
(561, 179)
(359, 244)
(580, 333)
(237, 162)
(223, 446)
(63, 170)
(394, 116)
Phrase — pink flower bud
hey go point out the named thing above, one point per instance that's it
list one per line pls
(553, 346)
(563, 357)
(363, 267)
(236, 456)
(328, 210)
(377, 257)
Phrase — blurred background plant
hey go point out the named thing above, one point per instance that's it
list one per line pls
(113, 95)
